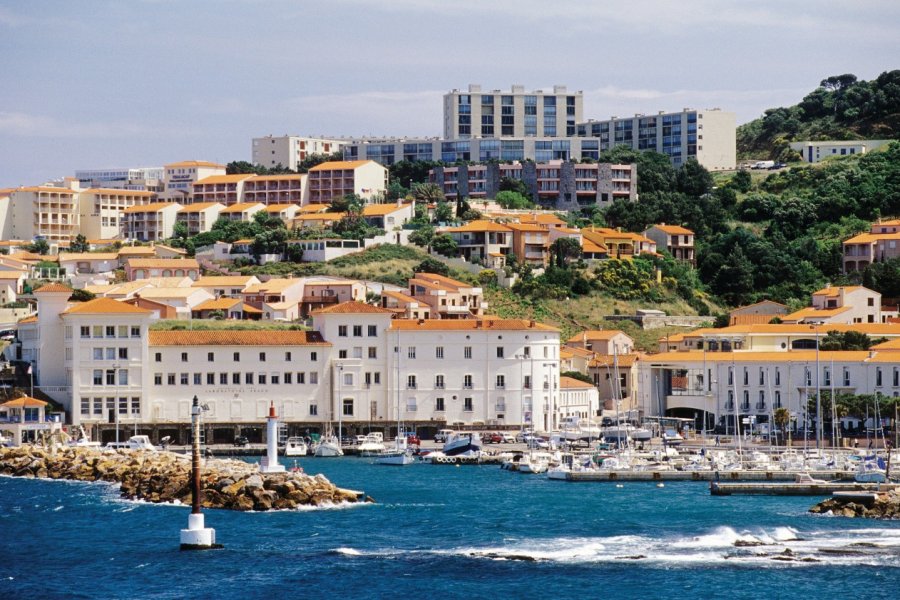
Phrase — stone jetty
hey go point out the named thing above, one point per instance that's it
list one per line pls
(164, 477)
(884, 505)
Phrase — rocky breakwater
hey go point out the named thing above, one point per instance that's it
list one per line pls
(885, 505)
(164, 477)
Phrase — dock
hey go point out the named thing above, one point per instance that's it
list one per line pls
(735, 476)
(843, 489)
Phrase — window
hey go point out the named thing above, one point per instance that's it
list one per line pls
(439, 352)
(313, 356)
(98, 376)
(287, 357)
(373, 331)
(288, 378)
(357, 331)
(438, 382)
(184, 379)
(198, 378)
(158, 357)
(809, 377)
(248, 378)
(301, 377)
(467, 352)
(235, 378)
(313, 378)
(223, 378)
(348, 407)
(110, 331)
(499, 351)
(467, 382)
(526, 383)
(85, 406)
(373, 352)
(342, 354)
(730, 376)
(411, 352)
(211, 357)
(262, 378)
(157, 379)
(501, 381)
(210, 379)
(467, 404)
(411, 382)
(98, 353)
(348, 379)
(357, 351)
(135, 406)
(777, 376)
(97, 331)
(439, 404)
(135, 331)
(313, 410)
(123, 405)
(262, 357)
(846, 376)
(746, 376)
(527, 351)
(342, 331)
(85, 331)
(777, 399)
(376, 377)
(170, 379)
(110, 354)
(762, 376)
(236, 357)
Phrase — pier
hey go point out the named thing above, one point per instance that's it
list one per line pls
(848, 489)
(774, 476)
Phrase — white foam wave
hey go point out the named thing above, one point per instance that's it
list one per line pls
(58, 508)
(347, 551)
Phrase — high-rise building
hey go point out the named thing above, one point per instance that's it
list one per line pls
(709, 136)
(516, 113)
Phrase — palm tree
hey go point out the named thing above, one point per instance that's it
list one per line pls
(782, 420)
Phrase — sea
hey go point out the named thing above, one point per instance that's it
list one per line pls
(445, 532)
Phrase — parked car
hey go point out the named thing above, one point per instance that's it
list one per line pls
(508, 437)
(538, 443)
(241, 441)
(443, 435)
(491, 437)
(413, 440)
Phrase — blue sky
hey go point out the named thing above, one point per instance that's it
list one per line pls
(97, 84)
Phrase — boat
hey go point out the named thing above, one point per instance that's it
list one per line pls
(399, 456)
(328, 446)
(372, 445)
(535, 463)
(140, 442)
(670, 437)
(79, 440)
(871, 470)
(463, 443)
(295, 446)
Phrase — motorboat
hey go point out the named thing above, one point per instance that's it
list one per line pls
(328, 447)
(372, 445)
(871, 470)
(670, 437)
(140, 442)
(295, 446)
(79, 440)
(463, 443)
(400, 455)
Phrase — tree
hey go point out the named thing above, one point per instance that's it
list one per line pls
(429, 193)
(180, 231)
(836, 83)
(565, 249)
(513, 200)
(431, 265)
(782, 419)
(80, 244)
(39, 246)
(742, 181)
(443, 213)
(693, 179)
(577, 375)
(445, 245)
(422, 236)
(511, 184)
(734, 280)
(81, 296)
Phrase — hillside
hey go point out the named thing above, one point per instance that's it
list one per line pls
(841, 108)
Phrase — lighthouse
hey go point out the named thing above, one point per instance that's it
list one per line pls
(269, 463)
(197, 536)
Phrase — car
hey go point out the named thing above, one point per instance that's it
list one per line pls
(508, 437)
(537, 443)
(443, 435)
(491, 437)
(241, 441)
(413, 440)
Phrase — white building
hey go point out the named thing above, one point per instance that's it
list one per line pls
(290, 150)
(180, 176)
(813, 152)
(101, 210)
(150, 222)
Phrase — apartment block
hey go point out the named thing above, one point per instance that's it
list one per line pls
(447, 298)
(336, 179)
(224, 189)
(242, 211)
(516, 113)
(101, 210)
(149, 179)
(290, 150)
(840, 304)
(560, 185)
(178, 178)
(709, 136)
(275, 189)
(150, 222)
(199, 217)
(51, 213)
(484, 241)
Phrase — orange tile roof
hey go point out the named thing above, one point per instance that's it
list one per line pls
(674, 229)
(213, 179)
(162, 263)
(147, 208)
(26, 320)
(590, 335)
(806, 313)
(242, 206)
(23, 402)
(478, 226)
(218, 304)
(785, 356)
(527, 227)
(43, 188)
(380, 210)
(194, 163)
(835, 290)
(199, 206)
(592, 247)
(352, 307)
(469, 324)
(442, 280)
(547, 219)
(53, 287)
(216, 280)
(609, 360)
(757, 304)
(29, 256)
(87, 256)
(867, 238)
(12, 274)
(237, 337)
(340, 165)
(329, 216)
(752, 319)
(314, 208)
(572, 383)
(102, 306)
(137, 250)
(271, 208)
(399, 296)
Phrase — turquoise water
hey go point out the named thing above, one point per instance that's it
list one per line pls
(443, 532)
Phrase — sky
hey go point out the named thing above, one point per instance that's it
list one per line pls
(103, 84)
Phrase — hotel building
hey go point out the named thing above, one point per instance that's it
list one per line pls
(290, 150)
(331, 180)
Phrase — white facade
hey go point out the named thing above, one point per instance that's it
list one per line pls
(290, 150)
(180, 176)
(150, 222)
(813, 152)
(101, 210)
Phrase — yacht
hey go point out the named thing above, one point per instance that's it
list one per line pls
(372, 445)
(328, 447)
(468, 443)
(399, 456)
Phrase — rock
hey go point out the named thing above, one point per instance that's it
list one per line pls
(254, 481)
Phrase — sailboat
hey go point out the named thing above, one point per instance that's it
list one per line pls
(329, 445)
(401, 454)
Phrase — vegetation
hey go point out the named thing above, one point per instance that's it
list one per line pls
(841, 108)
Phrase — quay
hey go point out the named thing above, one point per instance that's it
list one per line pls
(835, 488)
(712, 476)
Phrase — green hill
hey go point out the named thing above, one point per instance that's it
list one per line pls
(841, 108)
